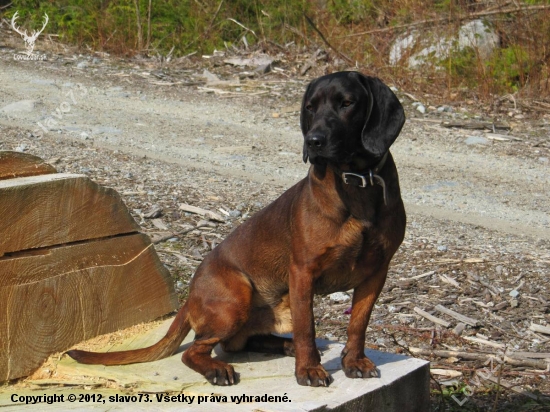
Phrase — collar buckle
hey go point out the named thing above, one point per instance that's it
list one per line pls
(363, 183)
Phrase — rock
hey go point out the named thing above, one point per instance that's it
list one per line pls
(442, 248)
(106, 130)
(234, 213)
(256, 61)
(264, 68)
(421, 108)
(514, 303)
(20, 106)
(433, 47)
(339, 297)
(478, 35)
(459, 328)
(210, 77)
(514, 293)
(82, 65)
(471, 140)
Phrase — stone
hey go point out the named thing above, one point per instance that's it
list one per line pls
(478, 140)
(339, 297)
(433, 47)
(26, 106)
(403, 385)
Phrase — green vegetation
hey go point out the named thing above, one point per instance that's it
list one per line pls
(128, 27)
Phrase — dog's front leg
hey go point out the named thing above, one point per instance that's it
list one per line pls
(354, 362)
(309, 371)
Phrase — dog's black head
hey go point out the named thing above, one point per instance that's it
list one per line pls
(347, 114)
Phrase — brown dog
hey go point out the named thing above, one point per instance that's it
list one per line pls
(335, 230)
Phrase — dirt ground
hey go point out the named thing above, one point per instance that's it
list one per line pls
(225, 138)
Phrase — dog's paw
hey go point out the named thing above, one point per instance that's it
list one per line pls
(222, 374)
(313, 376)
(359, 368)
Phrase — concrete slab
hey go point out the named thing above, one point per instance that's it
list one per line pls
(403, 385)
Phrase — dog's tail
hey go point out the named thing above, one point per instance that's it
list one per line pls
(163, 348)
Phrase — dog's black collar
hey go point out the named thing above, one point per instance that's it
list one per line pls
(364, 180)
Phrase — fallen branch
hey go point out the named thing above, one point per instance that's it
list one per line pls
(476, 125)
(343, 56)
(543, 365)
(457, 316)
(432, 318)
(176, 234)
(475, 339)
(243, 26)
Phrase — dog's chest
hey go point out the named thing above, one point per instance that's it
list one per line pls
(354, 255)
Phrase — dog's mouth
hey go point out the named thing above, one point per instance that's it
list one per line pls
(334, 157)
(328, 154)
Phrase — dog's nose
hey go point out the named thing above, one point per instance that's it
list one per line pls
(315, 141)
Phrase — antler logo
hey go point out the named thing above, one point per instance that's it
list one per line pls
(29, 40)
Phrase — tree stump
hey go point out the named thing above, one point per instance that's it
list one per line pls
(73, 264)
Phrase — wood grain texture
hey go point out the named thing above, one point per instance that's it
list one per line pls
(15, 164)
(56, 209)
(84, 290)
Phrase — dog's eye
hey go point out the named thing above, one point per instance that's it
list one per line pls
(309, 107)
(346, 103)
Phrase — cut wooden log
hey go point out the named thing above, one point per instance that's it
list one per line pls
(63, 295)
(72, 266)
(15, 164)
(55, 209)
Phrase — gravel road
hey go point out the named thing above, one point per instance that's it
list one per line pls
(442, 176)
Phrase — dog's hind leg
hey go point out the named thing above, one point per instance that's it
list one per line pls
(219, 307)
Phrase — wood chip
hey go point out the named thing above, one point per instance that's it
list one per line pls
(484, 342)
(530, 355)
(448, 373)
(159, 224)
(423, 275)
(540, 329)
(457, 316)
(432, 318)
(201, 212)
(510, 386)
(449, 280)
(474, 260)
(501, 137)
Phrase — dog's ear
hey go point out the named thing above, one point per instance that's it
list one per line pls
(385, 120)
(304, 121)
